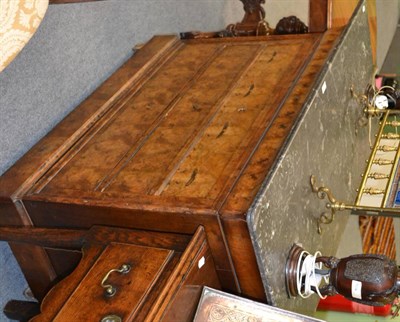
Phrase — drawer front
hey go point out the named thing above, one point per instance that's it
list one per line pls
(89, 302)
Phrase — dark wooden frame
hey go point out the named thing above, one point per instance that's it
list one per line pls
(319, 15)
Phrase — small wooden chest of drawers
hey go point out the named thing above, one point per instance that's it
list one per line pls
(127, 275)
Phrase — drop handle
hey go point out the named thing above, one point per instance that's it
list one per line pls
(109, 289)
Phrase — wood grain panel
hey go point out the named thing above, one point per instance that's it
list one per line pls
(318, 15)
(115, 139)
(120, 154)
(190, 115)
(231, 137)
(213, 122)
(132, 287)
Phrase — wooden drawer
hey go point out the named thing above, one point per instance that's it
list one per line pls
(162, 283)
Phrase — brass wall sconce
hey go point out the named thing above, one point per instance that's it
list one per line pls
(376, 100)
(379, 191)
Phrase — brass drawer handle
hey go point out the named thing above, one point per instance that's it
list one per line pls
(111, 318)
(108, 288)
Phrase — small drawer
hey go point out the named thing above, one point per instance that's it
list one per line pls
(135, 276)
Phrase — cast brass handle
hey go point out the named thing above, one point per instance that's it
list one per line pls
(108, 288)
(333, 205)
(111, 318)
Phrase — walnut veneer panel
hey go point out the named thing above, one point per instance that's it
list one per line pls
(188, 128)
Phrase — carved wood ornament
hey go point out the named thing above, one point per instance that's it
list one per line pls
(253, 24)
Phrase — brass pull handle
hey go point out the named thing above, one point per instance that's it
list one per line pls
(334, 205)
(111, 318)
(110, 290)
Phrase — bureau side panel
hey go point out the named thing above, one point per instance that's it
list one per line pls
(243, 257)
(328, 141)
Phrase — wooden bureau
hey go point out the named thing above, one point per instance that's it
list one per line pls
(182, 135)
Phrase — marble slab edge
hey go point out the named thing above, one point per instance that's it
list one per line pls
(334, 113)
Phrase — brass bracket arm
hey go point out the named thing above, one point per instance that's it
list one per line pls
(365, 101)
(368, 100)
(362, 99)
(333, 205)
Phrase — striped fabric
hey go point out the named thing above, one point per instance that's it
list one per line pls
(378, 236)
